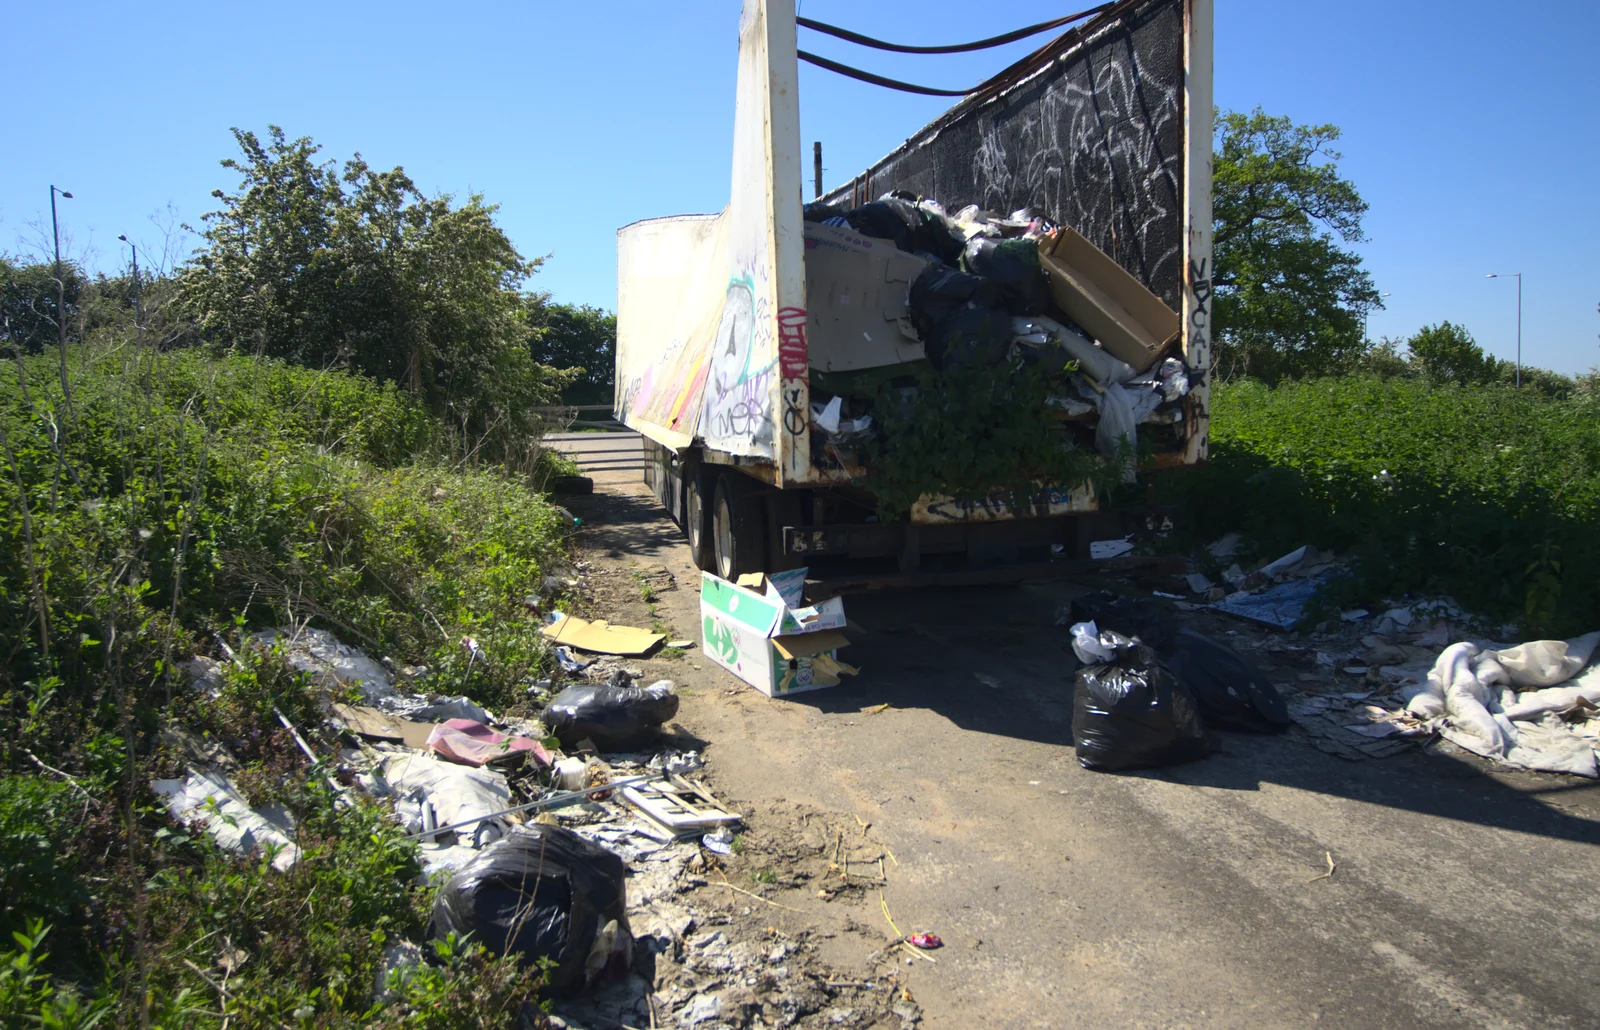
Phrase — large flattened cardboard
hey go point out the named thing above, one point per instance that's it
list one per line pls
(1099, 294)
(856, 288)
(600, 637)
(742, 632)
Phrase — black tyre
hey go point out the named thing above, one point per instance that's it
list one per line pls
(697, 519)
(737, 525)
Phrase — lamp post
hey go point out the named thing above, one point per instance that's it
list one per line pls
(61, 292)
(138, 312)
(1365, 312)
(1507, 275)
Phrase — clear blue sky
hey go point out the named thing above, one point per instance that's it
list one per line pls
(1470, 128)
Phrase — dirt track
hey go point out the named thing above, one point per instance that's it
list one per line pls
(1065, 898)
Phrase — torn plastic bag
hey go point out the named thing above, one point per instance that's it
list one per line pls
(542, 892)
(1132, 712)
(1117, 433)
(616, 718)
(1231, 691)
(909, 226)
(1014, 265)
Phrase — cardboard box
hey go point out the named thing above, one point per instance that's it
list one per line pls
(856, 288)
(759, 638)
(1099, 294)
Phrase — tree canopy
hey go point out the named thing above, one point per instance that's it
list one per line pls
(579, 338)
(1289, 299)
(359, 269)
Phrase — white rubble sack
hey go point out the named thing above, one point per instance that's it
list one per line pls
(1544, 663)
(211, 801)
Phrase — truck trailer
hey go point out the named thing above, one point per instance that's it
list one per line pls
(727, 322)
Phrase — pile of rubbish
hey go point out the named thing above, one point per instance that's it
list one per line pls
(572, 838)
(1412, 671)
(1147, 689)
(978, 289)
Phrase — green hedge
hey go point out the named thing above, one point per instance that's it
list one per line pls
(1485, 493)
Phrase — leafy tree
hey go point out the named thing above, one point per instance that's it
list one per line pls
(1289, 299)
(581, 339)
(1447, 353)
(360, 269)
(28, 302)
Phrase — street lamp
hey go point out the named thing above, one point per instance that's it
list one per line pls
(1365, 312)
(61, 292)
(1507, 275)
(138, 312)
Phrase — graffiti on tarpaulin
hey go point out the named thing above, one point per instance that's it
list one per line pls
(738, 392)
(793, 355)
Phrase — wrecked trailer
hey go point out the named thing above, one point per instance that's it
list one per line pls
(734, 328)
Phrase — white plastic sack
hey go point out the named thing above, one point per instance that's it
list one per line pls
(1545, 663)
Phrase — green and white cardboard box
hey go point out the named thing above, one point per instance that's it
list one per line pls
(763, 641)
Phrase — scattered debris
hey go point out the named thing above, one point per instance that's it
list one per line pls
(679, 808)
(1100, 550)
(473, 743)
(1331, 868)
(927, 941)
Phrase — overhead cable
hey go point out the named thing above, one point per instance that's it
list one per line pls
(954, 48)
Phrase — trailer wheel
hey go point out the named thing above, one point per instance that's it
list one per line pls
(697, 519)
(737, 522)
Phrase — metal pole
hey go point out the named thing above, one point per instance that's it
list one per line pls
(61, 295)
(816, 168)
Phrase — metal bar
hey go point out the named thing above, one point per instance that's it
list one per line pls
(1198, 272)
(551, 801)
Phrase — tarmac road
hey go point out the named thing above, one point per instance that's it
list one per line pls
(1181, 897)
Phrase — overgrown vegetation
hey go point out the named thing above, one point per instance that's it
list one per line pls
(173, 500)
(1484, 493)
(973, 433)
(326, 419)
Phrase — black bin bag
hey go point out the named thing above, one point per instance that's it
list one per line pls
(617, 717)
(543, 892)
(1233, 694)
(1132, 712)
(1140, 617)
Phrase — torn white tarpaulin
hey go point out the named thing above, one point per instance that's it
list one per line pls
(210, 800)
(430, 792)
(330, 664)
(1472, 691)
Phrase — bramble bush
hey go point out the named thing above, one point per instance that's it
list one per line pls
(1483, 493)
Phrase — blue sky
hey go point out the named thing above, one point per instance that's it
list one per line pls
(1472, 132)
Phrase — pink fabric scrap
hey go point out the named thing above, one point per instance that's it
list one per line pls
(473, 743)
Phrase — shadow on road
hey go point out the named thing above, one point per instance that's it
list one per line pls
(992, 661)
